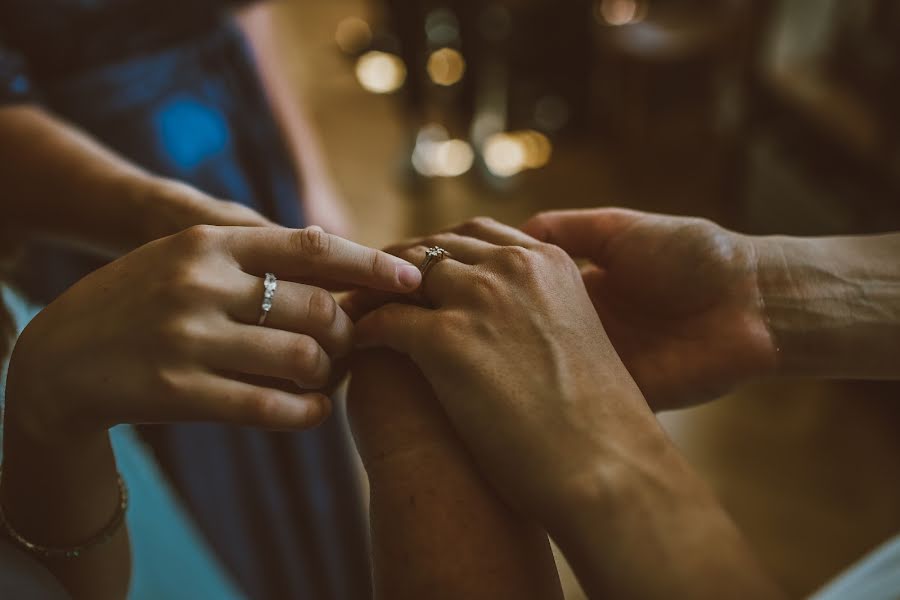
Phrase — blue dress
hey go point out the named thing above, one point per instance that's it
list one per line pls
(170, 85)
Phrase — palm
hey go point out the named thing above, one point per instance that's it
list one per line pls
(679, 301)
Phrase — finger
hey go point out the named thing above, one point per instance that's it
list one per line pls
(581, 233)
(489, 230)
(462, 248)
(313, 254)
(361, 302)
(252, 350)
(396, 326)
(211, 397)
(442, 278)
(295, 307)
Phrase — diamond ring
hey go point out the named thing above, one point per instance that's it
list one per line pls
(269, 286)
(432, 255)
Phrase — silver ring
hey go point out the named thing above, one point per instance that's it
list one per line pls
(432, 255)
(269, 286)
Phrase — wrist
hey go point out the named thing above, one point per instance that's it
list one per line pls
(643, 475)
(40, 412)
(625, 446)
(167, 207)
(832, 304)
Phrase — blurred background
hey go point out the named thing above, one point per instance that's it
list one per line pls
(768, 116)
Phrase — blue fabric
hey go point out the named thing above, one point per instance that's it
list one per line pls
(282, 510)
(15, 87)
(170, 558)
(875, 577)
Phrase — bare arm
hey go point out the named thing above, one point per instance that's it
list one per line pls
(323, 203)
(81, 366)
(60, 495)
(438, 529)
(833, 304)
(58, 182)
(531, 383)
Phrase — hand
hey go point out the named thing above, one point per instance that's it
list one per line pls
(168, 333)
(520, 362)
(518, 358)
(679, 297)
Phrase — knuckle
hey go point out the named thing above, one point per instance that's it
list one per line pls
(312, 241)
(321, 307)
(518, 258)
(554, 253)
(258, 406)
(475, 225)
(189, 284)
(200, 237)
(167, 384)
(183, 336)
(303, 355)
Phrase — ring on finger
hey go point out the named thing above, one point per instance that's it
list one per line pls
(433, 255)
(270, 284)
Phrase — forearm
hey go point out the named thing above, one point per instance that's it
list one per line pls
(438, 530)
(641, 524)
(60, 183)
(833, 304)
(256, 22)
(60, 495)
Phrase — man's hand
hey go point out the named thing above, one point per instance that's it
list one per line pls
(679, 297)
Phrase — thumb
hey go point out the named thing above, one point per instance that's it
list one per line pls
(581, 233)
(395, 326)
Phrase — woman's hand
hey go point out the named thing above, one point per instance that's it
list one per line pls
(168, 333)
(524, 369)
(517, 356)
(680, 298)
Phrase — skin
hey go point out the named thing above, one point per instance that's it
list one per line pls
(438, 529)
(517, 356)
(323, 204)
(679, 298)
(695, 309)
(61, 184)
(82, 365)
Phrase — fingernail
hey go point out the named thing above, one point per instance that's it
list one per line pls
(409, 276)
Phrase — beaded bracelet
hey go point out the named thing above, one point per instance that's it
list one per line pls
(100, 538)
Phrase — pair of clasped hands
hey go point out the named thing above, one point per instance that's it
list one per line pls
(547, 372)
(516, 340)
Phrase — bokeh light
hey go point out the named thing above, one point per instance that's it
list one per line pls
(509, 153)
(435, 155)
(446, 66)
(353, 35)
(380, 72)
(504, 155)
(619, 12)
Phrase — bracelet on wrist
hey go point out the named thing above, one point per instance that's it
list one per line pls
(98, 539)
